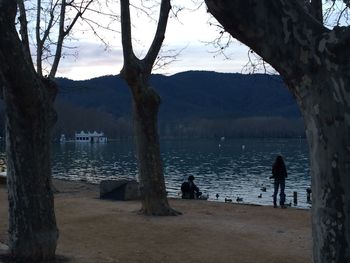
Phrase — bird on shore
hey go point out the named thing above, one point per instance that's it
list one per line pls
(260, 195)
(239, 199)
(227, 200)
(217, 196)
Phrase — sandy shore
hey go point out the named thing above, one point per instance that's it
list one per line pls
(101, 231)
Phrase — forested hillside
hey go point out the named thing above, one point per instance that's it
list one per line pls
(194, 104)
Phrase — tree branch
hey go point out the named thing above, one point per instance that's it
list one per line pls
(39, 47)
(276, 23)
(60, 39)
(159, 35)
(24, 30)
(317, 10)
(128, 52)
(79, 13)
(49, 26)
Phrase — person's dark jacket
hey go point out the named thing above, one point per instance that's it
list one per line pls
(279, 171)
(189, 189)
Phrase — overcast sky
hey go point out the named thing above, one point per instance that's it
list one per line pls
(190, 33)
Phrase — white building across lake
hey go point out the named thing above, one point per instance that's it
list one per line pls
(93, 137)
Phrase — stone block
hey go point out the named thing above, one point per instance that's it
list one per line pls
(123, 189)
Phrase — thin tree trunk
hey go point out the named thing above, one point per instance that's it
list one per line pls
(146, 103)
(152, 185)
(145, 110)
(29, 118)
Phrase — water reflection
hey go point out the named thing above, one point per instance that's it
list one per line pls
(93, 162)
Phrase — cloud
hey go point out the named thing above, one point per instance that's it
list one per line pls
(190, 36)
(190, 31)
(91, 60)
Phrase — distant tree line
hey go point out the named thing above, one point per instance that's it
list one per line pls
(256, 127)
(72, 118)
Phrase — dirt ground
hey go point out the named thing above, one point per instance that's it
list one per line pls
(101, 231)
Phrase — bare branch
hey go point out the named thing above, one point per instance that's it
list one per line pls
(38, 40)
(128, 52)
(159, 35)
(24, 30)
(60, 39)
(336, 13)
(79, 14)
(91, 22)
(317, 10)
(94, 31)
(341, 14)
(166, 58)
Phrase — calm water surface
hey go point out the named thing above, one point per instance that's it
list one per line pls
(232, 168)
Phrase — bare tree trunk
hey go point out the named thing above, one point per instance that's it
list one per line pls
(29, 118)
(313, 61)
(32, 225)
(328, 133)
(146, 103)
(152, 184)
(145, 110)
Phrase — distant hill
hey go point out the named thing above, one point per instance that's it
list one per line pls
(187, 97)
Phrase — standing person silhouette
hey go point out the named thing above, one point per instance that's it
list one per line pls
(279, 174)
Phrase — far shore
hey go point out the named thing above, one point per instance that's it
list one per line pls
(100, 231)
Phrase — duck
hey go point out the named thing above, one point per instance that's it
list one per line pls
(239, 199)
(260, 195)
(263, 189)
(227, 200)
(217, 196)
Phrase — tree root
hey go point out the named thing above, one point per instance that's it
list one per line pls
(164, 211)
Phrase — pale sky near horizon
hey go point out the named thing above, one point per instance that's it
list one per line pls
(190, 33)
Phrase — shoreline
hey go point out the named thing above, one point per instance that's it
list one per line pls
(95, 230)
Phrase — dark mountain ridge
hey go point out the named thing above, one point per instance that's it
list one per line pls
(188, 97)
(189, 94)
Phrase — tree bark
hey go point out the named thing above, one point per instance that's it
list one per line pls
(152, 184)
(146, 104)
(313, 62)
(29, 118)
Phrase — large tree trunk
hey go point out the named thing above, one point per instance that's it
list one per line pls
(313, 61)
(146, 104)
(29, 118)
(326, 114)
(32, 226)
(152, 185)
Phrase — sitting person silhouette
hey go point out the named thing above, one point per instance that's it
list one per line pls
(190, 190)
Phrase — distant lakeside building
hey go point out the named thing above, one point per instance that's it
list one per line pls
(92, 137)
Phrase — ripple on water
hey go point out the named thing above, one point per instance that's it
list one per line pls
(229, 171)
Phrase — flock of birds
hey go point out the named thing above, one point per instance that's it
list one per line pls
(240, 199)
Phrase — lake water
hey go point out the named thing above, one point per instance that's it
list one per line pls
(231, 168)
